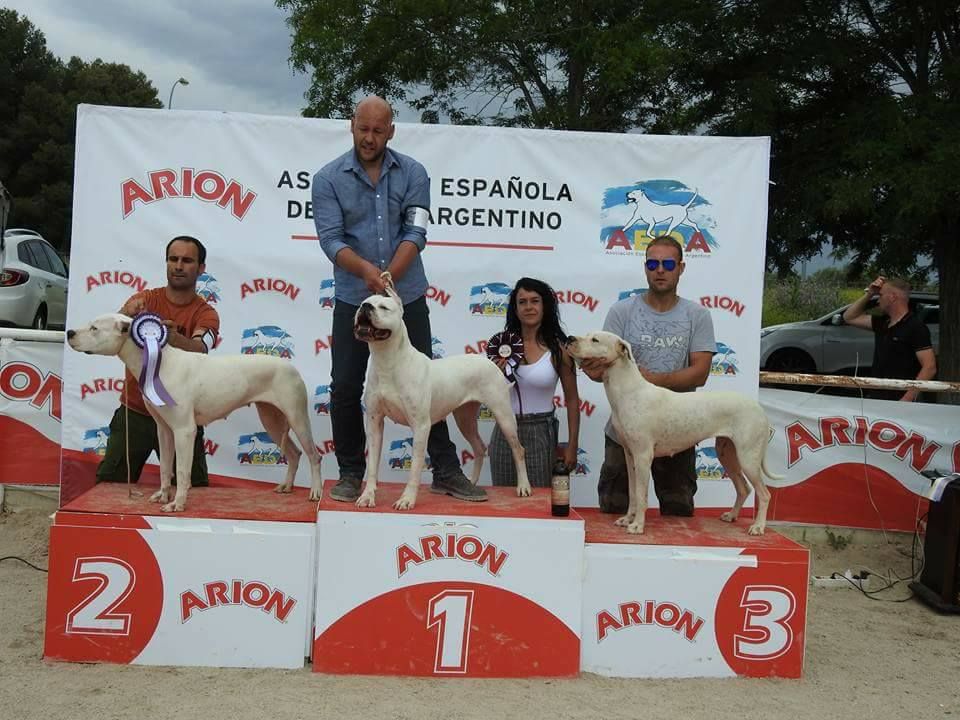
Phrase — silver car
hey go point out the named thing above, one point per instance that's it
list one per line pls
(829, 346)
(33, 282)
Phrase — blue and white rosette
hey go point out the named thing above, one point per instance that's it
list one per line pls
(508, 346)
(150, 334)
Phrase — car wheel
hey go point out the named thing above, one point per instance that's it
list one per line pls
(40, 319)
(791, 360)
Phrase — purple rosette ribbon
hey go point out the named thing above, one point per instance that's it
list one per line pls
(508, 346)
(150, 334)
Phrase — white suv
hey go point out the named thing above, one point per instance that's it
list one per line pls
(33, 282)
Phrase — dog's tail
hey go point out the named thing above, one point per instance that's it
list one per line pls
(763, 467)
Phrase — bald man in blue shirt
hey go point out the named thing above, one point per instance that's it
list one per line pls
(371, 206)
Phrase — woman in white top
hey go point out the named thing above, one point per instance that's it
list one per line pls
(533, 314)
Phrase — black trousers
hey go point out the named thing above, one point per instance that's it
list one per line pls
(350, 357)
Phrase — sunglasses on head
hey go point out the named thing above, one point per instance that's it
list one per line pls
(669, 264)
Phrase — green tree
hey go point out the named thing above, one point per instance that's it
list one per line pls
(24, 61)
(861, 99)
(27, 70)
(565, 64)
(38, 129)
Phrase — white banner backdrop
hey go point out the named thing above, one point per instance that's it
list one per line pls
(505, 203)
(30, 412)
(856, 463)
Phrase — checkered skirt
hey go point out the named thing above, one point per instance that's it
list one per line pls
(538, 435)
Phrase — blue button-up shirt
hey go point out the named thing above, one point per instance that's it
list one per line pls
(349, 211)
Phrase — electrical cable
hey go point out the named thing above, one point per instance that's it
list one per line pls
(25, 562)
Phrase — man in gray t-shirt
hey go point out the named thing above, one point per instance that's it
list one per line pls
(673, 343)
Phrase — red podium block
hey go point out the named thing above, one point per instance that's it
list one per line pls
(692, 597)
(451, 588)
(228, 583)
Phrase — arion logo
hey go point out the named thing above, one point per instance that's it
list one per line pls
(205, 185)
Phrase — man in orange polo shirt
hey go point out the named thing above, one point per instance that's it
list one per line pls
(192, 325)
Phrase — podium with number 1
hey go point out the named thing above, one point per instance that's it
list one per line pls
(450, 589)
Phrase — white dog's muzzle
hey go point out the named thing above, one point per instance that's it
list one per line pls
(364, 329)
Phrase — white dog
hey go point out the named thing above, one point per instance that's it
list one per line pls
(413, 390)
(646, 210)
(654, 422)
(205, 389)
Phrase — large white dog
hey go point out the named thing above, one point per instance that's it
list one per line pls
(413, 390)
(205, 389)
(654, 422)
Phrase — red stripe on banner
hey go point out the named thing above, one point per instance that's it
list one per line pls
(492, 246)
(446, 243)
(849, 495)
(27, 456)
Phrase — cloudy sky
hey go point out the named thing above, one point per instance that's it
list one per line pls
(233, 52)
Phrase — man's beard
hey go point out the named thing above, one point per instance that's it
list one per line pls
(182, 283)
(377, 156)
(661, 291)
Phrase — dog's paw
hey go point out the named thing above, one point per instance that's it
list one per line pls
(635, 528)
(282, 488)
(623, 521)
(756, 529)
(728, 516)
(366, 500)
(524, 491)
(405, 503)
(160, 497)
(173, 507)
(315, 495)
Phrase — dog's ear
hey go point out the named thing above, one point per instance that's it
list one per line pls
(624, 351)
(124, 326)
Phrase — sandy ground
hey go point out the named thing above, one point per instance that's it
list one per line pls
(865, 659)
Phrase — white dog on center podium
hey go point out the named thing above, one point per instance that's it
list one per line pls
(413, 390)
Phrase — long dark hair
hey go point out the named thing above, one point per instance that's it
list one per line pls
(551, 331)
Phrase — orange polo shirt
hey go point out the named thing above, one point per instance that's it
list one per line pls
(189, 318)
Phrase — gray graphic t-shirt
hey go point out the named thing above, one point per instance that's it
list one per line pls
(661, 341)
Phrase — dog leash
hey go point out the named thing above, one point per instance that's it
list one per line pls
(388, 280)
(508, 346)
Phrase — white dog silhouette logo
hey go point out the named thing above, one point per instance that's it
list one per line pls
(652, 213)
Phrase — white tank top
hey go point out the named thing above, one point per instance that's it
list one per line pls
(537, 383)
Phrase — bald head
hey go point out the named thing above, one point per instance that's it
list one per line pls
(374, 106)
(372, 127)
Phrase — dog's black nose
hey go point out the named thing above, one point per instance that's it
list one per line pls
(366, 307)
(71, 333)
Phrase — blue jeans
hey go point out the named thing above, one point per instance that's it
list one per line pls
(349, 370)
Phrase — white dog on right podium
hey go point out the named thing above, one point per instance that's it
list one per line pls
(654, 422)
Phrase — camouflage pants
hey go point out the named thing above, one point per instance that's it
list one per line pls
(674, 481)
